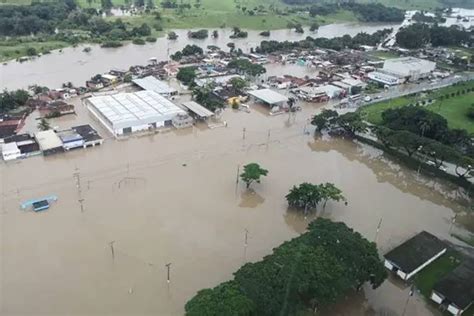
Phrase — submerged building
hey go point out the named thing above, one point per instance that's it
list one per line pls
(126, 113)
(410, 68)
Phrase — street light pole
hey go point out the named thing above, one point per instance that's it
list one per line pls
(168, 265)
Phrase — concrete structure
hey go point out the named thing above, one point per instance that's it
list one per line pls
(125, 113)
(89, 135)
(218, 80)
(71, 139)
(269, 97)
(49, 142)
(150, 83)
(197, 110)
(383, 78)
(183, 121)
(455, 292)
(25, 143)
(10, 151)
(414, 254)
(409, 67)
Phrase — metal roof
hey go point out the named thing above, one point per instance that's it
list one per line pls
(198, 109)
(268, 96)
(153, 84)
(131, 109)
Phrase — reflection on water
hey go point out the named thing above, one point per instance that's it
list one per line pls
(405, 179)
(250, 199)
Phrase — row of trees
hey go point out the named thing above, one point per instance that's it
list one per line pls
(246, 67)
(336, 43)
(308, 272)
(419, 35)
(350, 123)
(425, 123)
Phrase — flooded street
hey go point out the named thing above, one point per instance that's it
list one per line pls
(76, 66)
(172, 198)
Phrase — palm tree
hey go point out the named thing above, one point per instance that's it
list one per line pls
(43, 125)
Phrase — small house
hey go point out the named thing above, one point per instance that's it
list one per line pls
(414, 254)
(10, 151)
(455, 292)
(89, 135)
(49, 142)
(71, 139)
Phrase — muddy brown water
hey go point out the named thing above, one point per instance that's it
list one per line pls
(172, 198)
(74, 65)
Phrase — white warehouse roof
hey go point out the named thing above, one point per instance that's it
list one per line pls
(131, 109)
(153, 84)
(407, 66)
(268, 96)
(197, 109)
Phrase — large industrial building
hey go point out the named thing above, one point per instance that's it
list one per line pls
(125, 113)
(410, 68)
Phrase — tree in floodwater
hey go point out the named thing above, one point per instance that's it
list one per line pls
(310, 271)
(252, 173)
(43, 125)
(307, 196)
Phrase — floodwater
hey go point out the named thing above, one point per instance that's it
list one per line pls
(76, 66)
(172, 198)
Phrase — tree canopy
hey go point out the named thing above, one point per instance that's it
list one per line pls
(350, 122)
(310, 271)
(252, 173)
(186, 75)
(308, 196)
(418, 35)
(10, 100)
(245, 66)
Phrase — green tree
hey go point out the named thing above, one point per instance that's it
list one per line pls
(186, 75)
(352, 123)
(238, 83)
(106, 4)
(307, 196)
(252, 173)
(172, 35)
(43, 125)
(324, 120)
(224, 299)
(150, 4)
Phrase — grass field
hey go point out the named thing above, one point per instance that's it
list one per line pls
(10, 51)
(453, 109)
(427, 278)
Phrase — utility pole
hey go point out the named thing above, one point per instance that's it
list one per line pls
(377, 230)
(246, 237)
(238, 174)
(453, 220)
(268, 136)
(77, 176)
(243, 134)
(168, 265)
(410, 294)
(112, 249)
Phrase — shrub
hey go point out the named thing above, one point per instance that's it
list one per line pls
(151, 39)
(138, 41)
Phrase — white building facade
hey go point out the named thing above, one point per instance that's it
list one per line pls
(409, 67)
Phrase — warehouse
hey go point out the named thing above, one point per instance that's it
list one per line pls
(152, 84)
(409, 67)
(269, 97)
(126, 113)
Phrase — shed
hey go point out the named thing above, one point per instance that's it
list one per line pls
(49, 142)
(414, 254)
(198, 110)
(456, 290)
(269, 97)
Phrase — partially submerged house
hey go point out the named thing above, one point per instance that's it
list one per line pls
(414, 254)
(89, 135)
(269, 97)
(25, 143)
(455, 292)
(49, 142)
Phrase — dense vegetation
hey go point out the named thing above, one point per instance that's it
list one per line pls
(188, 50)
(308, 272)
(336, 43)
(246, 67)
(308, 196)
(10, 100)
(419, 35)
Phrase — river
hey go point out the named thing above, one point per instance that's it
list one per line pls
(76, 66)
(172, 197)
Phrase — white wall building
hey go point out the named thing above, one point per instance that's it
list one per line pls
(152, 84)
(125, 113)
(10, 151)
(409, 67)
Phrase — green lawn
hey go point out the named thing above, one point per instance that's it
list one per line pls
(427, 278)
(14, 50)
(453, 109)
(384, 54)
